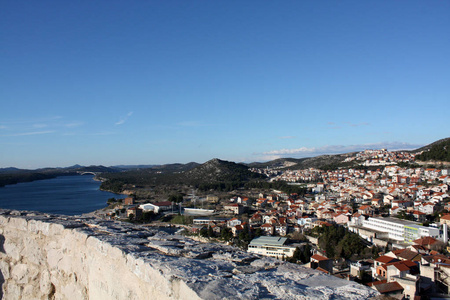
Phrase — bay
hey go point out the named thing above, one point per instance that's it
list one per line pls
(67, 195)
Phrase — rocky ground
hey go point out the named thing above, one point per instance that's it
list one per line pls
(211, 271)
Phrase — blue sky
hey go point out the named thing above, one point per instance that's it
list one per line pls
(153, 82)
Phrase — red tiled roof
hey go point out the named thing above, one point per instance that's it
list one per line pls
(385, 259)
(446, 217)
(401, 267)
(318, 257)
(424, 241)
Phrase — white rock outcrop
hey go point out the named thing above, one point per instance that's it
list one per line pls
(60, 257)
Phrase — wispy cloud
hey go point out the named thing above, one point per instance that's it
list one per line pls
(30, 121)
(124, 119)
(101, 133)
(37, 126)
(30, 133)
(335, 149)
(287, 137)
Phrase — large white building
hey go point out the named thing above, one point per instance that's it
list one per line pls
(271, 246)
(400, 230)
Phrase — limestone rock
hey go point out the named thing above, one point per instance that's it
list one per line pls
(61, 257)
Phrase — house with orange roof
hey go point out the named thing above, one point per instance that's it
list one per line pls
(256, 218)
(426, 241)
(377, 271)
(419, 216)
(445, 219)
(376, 202)
(319, 261)
(365, 209)
(397, 269)
(427, 208)
(389, 289)
(357, 219)
(267, 228)
(236, 208)
(405, 255)
(340, 218)
(233, 222)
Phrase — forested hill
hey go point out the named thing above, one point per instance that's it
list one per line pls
(438, 151)
(304, 163)
(217, 170)
(214, 174)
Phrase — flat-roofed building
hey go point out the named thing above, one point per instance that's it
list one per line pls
(400, 230)
(205, 221)
(272, 246)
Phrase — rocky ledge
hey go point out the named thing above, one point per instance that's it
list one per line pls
(51, 256)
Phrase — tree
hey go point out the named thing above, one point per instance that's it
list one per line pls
(177, 198)
(258, 231)
(226, 234)
(296, 256)
(337, 241)
(211, 232)
(305, 255)
(147, 216)
(203, 232)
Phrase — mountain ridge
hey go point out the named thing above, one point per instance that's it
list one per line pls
(213, 171)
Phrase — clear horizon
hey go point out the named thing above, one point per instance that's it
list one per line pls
(115, 83)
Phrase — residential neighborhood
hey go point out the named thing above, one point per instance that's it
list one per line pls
(399, 210)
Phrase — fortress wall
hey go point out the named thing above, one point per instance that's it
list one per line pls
(62, 257)
(44, 260)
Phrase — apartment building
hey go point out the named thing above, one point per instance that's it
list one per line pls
(400, 230)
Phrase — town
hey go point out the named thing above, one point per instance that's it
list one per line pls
(383, 224)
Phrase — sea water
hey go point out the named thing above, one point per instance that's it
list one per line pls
(68, 195)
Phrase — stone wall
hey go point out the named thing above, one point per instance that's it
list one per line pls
(58, 257)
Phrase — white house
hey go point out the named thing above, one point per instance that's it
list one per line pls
(156, 207)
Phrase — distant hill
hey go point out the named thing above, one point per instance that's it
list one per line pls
(175, 167)
(131, 167)
(214, 174)
(13, 175)
(428, 147)
(277, 163)
(217, 170)
(10, 170)
(437, 151)
(100, 169)
(308, 162)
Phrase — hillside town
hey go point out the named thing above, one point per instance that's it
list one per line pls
(398, 210)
